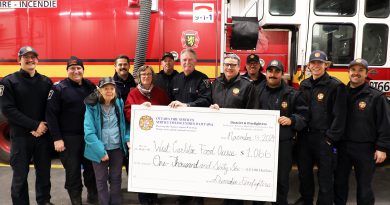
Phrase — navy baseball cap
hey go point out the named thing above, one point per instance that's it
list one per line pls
(359, 61)
(73, 60)
(318, 55)
(275, 64)
(253, 58)
(167, 54)
(27, 49)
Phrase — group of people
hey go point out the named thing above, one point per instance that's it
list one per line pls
(336, 126)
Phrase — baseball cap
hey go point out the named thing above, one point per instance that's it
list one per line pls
(318, 55)
(275, 64)
(167, 54)
(253, 58)
(359, 61)
(27, 49)
(106, 80)
(73, 60)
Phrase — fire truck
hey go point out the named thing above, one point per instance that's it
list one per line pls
(287, 30)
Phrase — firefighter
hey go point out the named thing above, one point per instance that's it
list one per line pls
(326, 97)
(65, 118)
(275, 94)
(23, 95)
(190, 88)
(233, 91)
(367, 136)
(254, 68)
(165, 76)
(123, 79)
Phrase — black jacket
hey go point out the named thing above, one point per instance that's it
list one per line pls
(194, 89)
(327, 99)
(65, 108)
(290, 104)
(368, 118)
(260, 80)
(123, 86)
(239, 92)
(164, 81)
(23, 101)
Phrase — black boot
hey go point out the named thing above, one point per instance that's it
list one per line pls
(75, 197)
(92, 197)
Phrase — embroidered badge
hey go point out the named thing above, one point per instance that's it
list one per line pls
(317, 54)
(362, 105)
(236, 91)
(284, 105)
(320, 97)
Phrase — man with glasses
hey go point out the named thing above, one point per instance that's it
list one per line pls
(23, 95)
(233, 91)
(65, 118)
(254, 68)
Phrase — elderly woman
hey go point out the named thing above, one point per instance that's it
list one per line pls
(106, 135)
(145, 94)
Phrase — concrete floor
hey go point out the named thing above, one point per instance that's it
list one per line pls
(381, 186)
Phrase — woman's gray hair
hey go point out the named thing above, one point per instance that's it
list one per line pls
(143, 68)
(233, 56)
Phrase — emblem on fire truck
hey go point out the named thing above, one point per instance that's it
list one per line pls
(190, 39)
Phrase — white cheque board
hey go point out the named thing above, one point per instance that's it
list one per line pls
(226, 153)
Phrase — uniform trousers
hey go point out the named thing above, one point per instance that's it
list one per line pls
(360, 156)
(72, 158)
(313, 149)
(23, 150)
(109, 172)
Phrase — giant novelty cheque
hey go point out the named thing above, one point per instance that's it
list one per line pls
(226, 153)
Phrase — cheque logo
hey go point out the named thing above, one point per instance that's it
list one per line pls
(146, 122)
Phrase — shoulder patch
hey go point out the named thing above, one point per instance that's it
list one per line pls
(50, 94)
(1, 90)
(206, 83)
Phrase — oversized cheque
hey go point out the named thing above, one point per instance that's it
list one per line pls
(229, 153)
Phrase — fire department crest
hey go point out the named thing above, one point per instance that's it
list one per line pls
(284, 105)
(362, 105)
(1, 90)
(236, 91)
(190, 39)
(146, 122)
(320, 97)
